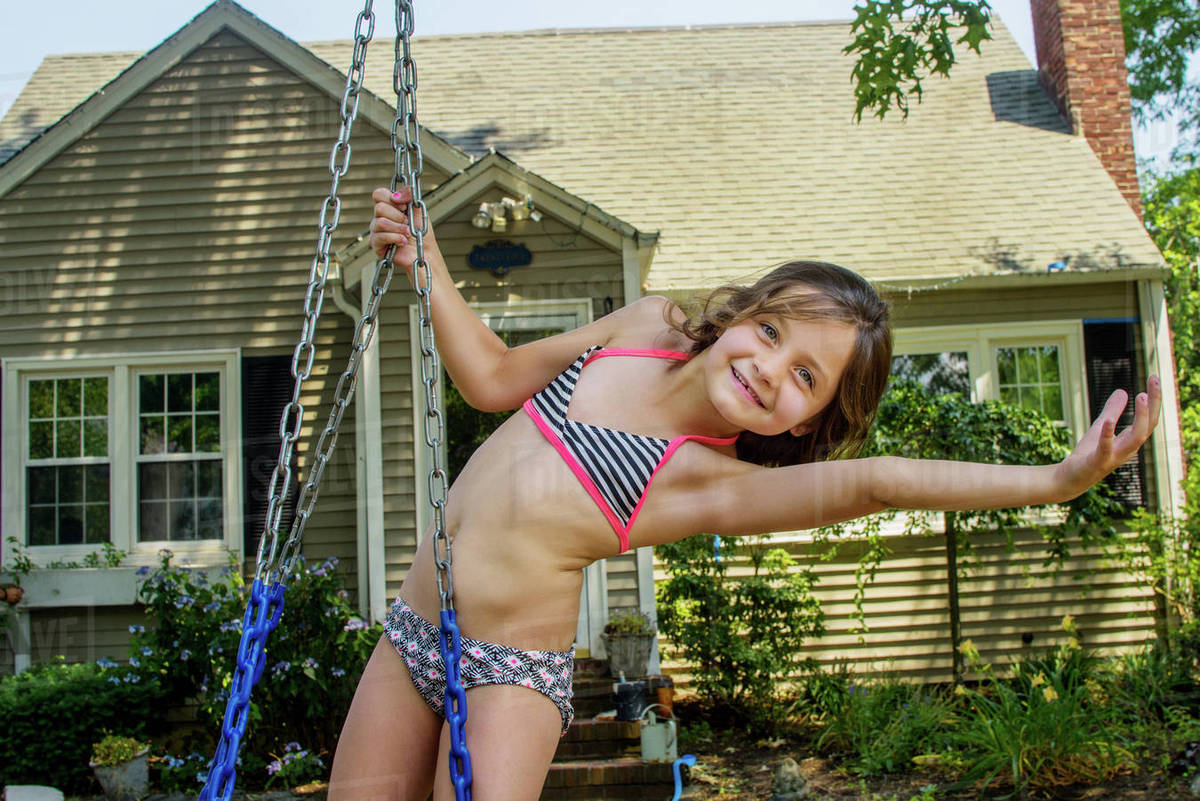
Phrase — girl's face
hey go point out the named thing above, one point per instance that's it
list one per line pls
(770, 374)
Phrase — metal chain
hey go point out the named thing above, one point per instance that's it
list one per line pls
(273, 564)
(409, 164)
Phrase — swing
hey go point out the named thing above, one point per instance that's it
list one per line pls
(274, 563)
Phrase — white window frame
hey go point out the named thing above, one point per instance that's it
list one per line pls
(122, 372)
(980, 343)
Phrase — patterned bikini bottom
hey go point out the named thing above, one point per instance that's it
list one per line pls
(416, 639)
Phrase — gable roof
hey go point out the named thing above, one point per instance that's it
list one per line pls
(68, 95)
(736, 142)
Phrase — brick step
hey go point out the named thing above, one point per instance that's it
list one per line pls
(593, 695)
(622, 778)
(600, 739)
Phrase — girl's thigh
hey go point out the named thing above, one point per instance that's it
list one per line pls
(389, 743)
(512, 733)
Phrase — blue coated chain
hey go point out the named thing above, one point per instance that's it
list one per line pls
(262, 616)
(456, 707)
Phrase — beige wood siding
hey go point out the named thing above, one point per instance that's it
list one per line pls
(1009, 594)
(187, 220)
(77, 633)
(1012, 305)
(566, 264)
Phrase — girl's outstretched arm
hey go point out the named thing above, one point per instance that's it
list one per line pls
(490, 375)
(747, 499)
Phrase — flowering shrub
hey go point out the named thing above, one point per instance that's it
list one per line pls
(314, 658)
(296, 767)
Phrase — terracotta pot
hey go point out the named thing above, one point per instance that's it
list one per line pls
(13, 594)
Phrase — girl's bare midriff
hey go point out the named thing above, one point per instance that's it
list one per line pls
(523, 527)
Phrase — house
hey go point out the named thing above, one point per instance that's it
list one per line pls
(157, 217)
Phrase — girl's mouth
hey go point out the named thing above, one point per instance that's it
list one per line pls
(746, 388)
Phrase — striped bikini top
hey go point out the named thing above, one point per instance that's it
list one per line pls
(615, 467)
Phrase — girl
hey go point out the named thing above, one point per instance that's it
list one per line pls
(736, 415)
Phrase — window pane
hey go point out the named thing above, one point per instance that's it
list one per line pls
(179, 433)
(179, 392)
(95, 437)
(70, 397)
(96, 523)
(208, 392)
(1052, 403)
(181, 482)
(1031, 398)
(41, 525)
(152, 481)
(1006, 365)
(67, 441)
(152, 521)
(41, 400)
(41, 440)
(1027, 366)
(70, 524)
(208, 433)
(210, 520)
(1010, 395)
(40, 485)
(941, 373)
(208, 479)
(95, 486)
(95, 397)
(70, 484)
(150, 394)
(153, 438)
(183, 520)
(1049, 364)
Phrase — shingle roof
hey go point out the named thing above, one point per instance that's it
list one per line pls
(737, 143)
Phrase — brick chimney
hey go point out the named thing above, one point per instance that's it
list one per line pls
(1081, 62)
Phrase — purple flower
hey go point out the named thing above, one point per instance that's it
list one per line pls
(143, 570)
(281, 667)
(185, 654)
(354, 624)
(292, 746)
(310, 663)
(135, 662)
(114, 680)
(137, 628)
(274, 767)
(338, 672)
(212, 606)
(105, 662)
(147, 651)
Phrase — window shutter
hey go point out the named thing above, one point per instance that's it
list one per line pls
(266, 389)
(1111, 355)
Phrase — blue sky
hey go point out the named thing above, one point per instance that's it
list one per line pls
(69, 26)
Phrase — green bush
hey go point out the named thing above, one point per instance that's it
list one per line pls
(742, 634)
(882, 725)
(53, 713)
(314, 657)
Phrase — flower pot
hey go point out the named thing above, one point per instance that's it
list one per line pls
(628, 653)
(13, 594)
(128, 781)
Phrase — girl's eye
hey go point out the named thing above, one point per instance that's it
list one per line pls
(770, 331)
(805, 375)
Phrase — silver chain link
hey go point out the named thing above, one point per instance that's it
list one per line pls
(409, 164)
(273, 563)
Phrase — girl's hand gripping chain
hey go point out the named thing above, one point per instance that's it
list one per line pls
(390, 227)
(1102, 450)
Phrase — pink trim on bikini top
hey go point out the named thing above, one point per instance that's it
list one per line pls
(555, 439)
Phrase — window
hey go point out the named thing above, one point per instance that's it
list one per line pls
(1030, 377)
(67, 463)
(1036, 365)
(139, 451)
(179, 456)
(943, 372)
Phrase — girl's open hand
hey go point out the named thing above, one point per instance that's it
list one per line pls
(1102, 450)
(390, 226)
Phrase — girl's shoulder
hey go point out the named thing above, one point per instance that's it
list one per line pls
(646, 324)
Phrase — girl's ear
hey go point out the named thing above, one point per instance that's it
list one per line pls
(801, 429)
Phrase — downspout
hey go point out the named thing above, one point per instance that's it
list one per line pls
(366, 385)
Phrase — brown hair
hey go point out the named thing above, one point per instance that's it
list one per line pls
(840, 294)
